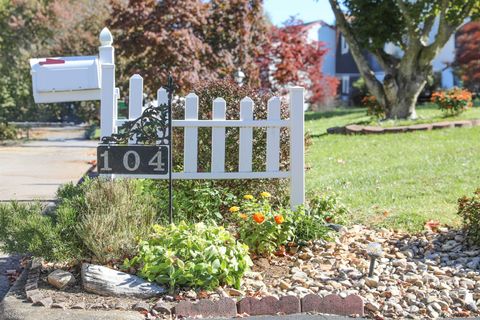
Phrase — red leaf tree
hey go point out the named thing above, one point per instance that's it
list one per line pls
(290, 58)
(467, 60)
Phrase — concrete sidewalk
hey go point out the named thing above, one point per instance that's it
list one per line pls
(34, 170)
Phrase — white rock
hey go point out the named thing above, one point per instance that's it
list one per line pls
(60, 279)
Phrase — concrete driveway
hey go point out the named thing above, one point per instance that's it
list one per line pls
(34, 170)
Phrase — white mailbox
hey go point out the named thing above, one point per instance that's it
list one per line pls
(66, 79)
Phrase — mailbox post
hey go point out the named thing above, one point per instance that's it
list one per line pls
(108, 99)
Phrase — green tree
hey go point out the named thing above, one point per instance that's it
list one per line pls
(371, 24)
(36, 28)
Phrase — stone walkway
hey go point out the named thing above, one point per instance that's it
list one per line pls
(6, 263)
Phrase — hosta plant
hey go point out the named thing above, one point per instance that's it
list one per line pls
(191, 255)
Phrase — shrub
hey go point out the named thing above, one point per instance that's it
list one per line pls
(106, 218)
(453, 101)
(259, 226)
(374, 108)
(193, 255)
(24, 229)
(469, 210)
(7, 132)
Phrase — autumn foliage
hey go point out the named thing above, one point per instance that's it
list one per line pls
(198, 41)
(468, 55)
(296, 61)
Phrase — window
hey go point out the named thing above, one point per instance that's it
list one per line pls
(344, 44)
(345, 85)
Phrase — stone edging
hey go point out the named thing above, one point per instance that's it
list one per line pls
(225, 307)
(358, 129)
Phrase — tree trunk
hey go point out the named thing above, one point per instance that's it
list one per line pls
(401, 94)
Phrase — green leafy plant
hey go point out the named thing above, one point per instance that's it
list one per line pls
(193, 255)
(469, 210)
(261, 227)
(327, 208)
(453, 101)
(309, 226)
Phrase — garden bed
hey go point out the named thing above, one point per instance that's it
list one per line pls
(431, 274)
(360, 129)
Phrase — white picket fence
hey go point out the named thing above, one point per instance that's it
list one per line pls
(218, 123)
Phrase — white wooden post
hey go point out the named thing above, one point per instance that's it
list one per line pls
(218, 136)
(246, 136)
(135, 99)
(273, 135)
(108, 97)
(190, 143)
(297, 148)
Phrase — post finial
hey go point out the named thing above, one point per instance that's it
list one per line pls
(106, 37)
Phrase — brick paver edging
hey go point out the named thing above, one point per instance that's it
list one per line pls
(225, 307)
(357, 129)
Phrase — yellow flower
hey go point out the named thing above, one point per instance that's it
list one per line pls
(265, 194)
(243, 216)
(248, 197)
(234, 209)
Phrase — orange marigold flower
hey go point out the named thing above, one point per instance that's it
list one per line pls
(258, 217)
(279, 219)
(243, 216)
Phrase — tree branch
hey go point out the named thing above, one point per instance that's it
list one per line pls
(445, 31)
(366, 71)
(411, 25)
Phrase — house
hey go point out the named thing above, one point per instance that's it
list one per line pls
(339, 61)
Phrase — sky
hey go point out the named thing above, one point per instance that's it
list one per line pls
(306, 10)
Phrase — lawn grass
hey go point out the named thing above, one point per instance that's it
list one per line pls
(395, 180)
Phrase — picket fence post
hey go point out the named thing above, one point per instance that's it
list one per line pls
(135, 100)
(297, 148)
(108, 97)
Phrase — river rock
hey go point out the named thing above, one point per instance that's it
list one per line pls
(60, 279)
(109, 282)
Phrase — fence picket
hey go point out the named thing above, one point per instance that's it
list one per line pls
(273, 135)
(135, 99)
(162, 98)
(218, 136)
(246, 136)
(191, 134)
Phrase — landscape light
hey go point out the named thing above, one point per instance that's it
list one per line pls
(239, 76)
(374, 251)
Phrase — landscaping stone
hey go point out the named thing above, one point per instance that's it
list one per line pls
(395, 129)
(333, 304)
(205, 308)
(269, 306)
(463, 123)
(162, 308)
(373, 130)
(60, 279)
(45, 302)
(141, 306)
(420, 127)
(443, 125)
(353, 129)
(109, 282)
(79, 306)
(59, 305)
